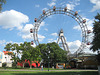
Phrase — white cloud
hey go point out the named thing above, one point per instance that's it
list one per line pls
(72, 4)
(87, 50)
(96, 6)
(46, 29)
(2, 42)
(41, 37)
(90, 27)
(54, 34)
(27, 36)
(51, 16)
(42, 24)
(62, 3)
(51, 4)
(45, 9)
(77, 27)
(51, 40)
(37, 5)
(9, 42)
(13, 42)
(73, 46)
(89, 24)
(25, 32)
(26, 28)
(12, 18)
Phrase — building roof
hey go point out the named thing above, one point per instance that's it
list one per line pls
(6, 52)
(87, 54)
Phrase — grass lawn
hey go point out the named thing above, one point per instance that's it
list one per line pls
(48, 73)
(13, 68)
(31, 69)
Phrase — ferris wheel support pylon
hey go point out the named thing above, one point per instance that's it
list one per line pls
(62, 41)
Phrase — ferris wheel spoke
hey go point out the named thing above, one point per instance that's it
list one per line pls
(64, 11)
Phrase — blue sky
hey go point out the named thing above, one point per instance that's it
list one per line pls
(17, 18)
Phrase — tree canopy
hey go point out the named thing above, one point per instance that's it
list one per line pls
(56, 53)
(96, 40)
(38, 53)
(96, 30)
(26, 50)
(30, 53)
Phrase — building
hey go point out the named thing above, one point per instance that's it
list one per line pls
(1, 54)
(6, 58)
(86, 61)
(60, 65)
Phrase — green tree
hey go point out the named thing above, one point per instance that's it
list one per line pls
(13, 47)
(8, 47)
(1, 3)
(16, 47)
(23, 48)
(96, 30)
(30, 53)
(43, 49)
(56, 53)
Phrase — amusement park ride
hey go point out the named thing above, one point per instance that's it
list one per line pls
(62, 41)
(82, 22)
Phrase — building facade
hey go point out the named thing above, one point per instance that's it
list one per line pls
(5, 58)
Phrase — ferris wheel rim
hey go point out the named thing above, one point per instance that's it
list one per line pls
(68, 12)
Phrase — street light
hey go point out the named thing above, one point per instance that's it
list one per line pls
(48, 60)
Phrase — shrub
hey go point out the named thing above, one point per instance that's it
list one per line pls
(4, 64)
(26, 65)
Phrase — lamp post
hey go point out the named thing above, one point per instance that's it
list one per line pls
(48, 60)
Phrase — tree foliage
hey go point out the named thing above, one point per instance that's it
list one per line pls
(8, 47)
(56, 53)
(96, 41)
(96, 31)
(13, 47)
(30, 53)
(26, 50)
(38, 53)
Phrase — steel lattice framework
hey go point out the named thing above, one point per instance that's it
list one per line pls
(63, 44)
(65, 11)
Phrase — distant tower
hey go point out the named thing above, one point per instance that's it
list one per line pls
(62, 41)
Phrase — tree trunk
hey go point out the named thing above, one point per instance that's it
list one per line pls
(23, 64)
(30, 65)
(65, 65)
(55, 64)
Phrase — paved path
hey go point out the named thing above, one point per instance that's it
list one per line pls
(47, 70)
